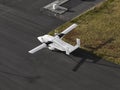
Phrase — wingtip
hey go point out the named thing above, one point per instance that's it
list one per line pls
(30, 52)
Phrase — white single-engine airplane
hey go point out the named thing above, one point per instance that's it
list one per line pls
(56, 42)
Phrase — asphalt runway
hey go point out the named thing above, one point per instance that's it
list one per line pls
(45, 70)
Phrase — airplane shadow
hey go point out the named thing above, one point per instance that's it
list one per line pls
(85, 56)
(90, 57)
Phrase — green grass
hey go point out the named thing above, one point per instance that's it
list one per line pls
(99, 30)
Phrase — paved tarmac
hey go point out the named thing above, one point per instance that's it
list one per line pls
(20, 24)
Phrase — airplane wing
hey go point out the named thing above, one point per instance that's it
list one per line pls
(37, 48)
(73, 26)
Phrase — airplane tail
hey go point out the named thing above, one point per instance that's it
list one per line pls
(74, 48)
(77, 42)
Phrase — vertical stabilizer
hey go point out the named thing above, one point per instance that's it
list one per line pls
(77, 42)
(74, 47)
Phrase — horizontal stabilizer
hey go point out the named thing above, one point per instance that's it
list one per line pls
(37, 48)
